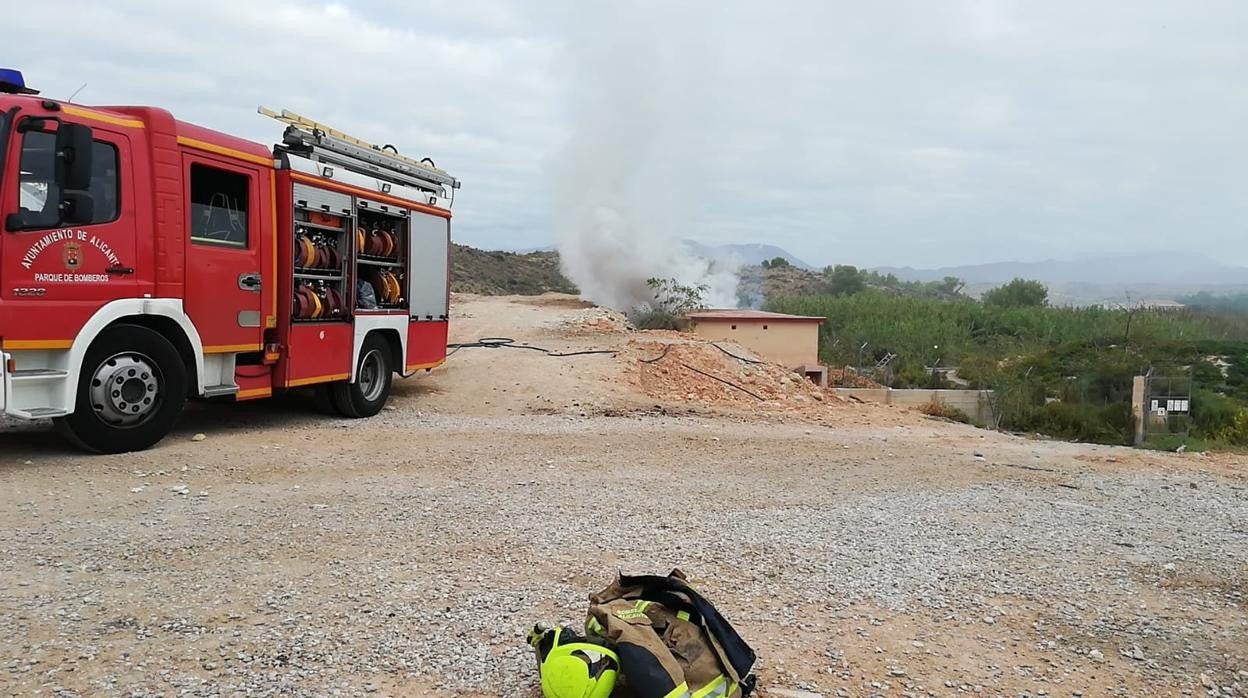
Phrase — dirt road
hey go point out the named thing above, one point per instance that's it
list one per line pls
(862, 551)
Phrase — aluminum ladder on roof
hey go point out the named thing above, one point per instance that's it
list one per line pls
(328, 145)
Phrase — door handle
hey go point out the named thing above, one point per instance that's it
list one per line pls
(119, 270)
(249, 281)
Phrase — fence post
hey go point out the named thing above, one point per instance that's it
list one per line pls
(1139, 409)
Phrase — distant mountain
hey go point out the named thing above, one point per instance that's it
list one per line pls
(744, 255)
(1152, 268)
(739, 255)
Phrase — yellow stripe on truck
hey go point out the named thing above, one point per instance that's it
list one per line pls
(253, 393)
(30, 344)
(93, 115)
(231, 348)
(317, 379)
(222, 150)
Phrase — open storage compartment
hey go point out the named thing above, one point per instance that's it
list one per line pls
(381, 252)
(322, 253)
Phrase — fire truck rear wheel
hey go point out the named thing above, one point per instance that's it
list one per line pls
(130, 391)
(368, 394)
(323, 399)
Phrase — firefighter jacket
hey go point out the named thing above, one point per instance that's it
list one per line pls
(671, 642)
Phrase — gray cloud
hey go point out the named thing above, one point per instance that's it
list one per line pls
(903, 133)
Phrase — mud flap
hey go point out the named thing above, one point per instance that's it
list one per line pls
(4, 380)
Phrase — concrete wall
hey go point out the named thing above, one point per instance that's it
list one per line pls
(975, 403)
(787, 343)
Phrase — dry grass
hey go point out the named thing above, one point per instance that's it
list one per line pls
(937, 408)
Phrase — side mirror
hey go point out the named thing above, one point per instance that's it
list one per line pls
(77, 207)
(73, 156)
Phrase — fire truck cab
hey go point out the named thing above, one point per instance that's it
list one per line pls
(145, 261)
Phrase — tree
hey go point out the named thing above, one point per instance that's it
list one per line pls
(1019, 293)
(675, 297)
(846, 280)
(672, 300)
(952, 286)
(948, 288)
(776, 263)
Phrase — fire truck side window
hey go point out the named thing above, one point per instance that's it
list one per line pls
(105, 184)
(218, 207)
(38, 194)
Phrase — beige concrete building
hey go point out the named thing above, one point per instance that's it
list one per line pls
(789, 340)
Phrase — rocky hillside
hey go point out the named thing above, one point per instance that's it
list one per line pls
(494, 273)
(758, 284)
(497, 273)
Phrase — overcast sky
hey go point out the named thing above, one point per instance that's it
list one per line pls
(904, 133)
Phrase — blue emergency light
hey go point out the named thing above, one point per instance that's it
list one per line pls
(12, 82)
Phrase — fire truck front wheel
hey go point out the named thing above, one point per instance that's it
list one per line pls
(131, 390)
(368, 394)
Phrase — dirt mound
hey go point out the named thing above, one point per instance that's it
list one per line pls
(683, 369)
(556, 300)
(593, 320)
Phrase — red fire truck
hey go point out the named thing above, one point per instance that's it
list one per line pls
(145, 261)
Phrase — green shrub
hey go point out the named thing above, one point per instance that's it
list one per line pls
(1084, 358)
(1236, 433)
(1109, 424)
(914, 327)
(657, 319)
(1019, 293)
(1213, 414)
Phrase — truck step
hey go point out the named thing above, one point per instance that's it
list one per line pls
(45, 412)
(220, 390)
(38, 374)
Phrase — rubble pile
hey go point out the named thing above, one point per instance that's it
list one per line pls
(595, 321)
(694, 371)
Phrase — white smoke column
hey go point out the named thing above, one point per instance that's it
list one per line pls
(622, 184)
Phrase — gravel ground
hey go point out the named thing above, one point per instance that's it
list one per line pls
(874, 554)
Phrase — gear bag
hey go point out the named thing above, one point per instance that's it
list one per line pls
(671, 642)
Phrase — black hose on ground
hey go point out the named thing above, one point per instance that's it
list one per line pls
(509, 343)
(726, 382)
(738, 358)
(658, 358)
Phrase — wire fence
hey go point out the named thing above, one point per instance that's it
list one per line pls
(1167, 409)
